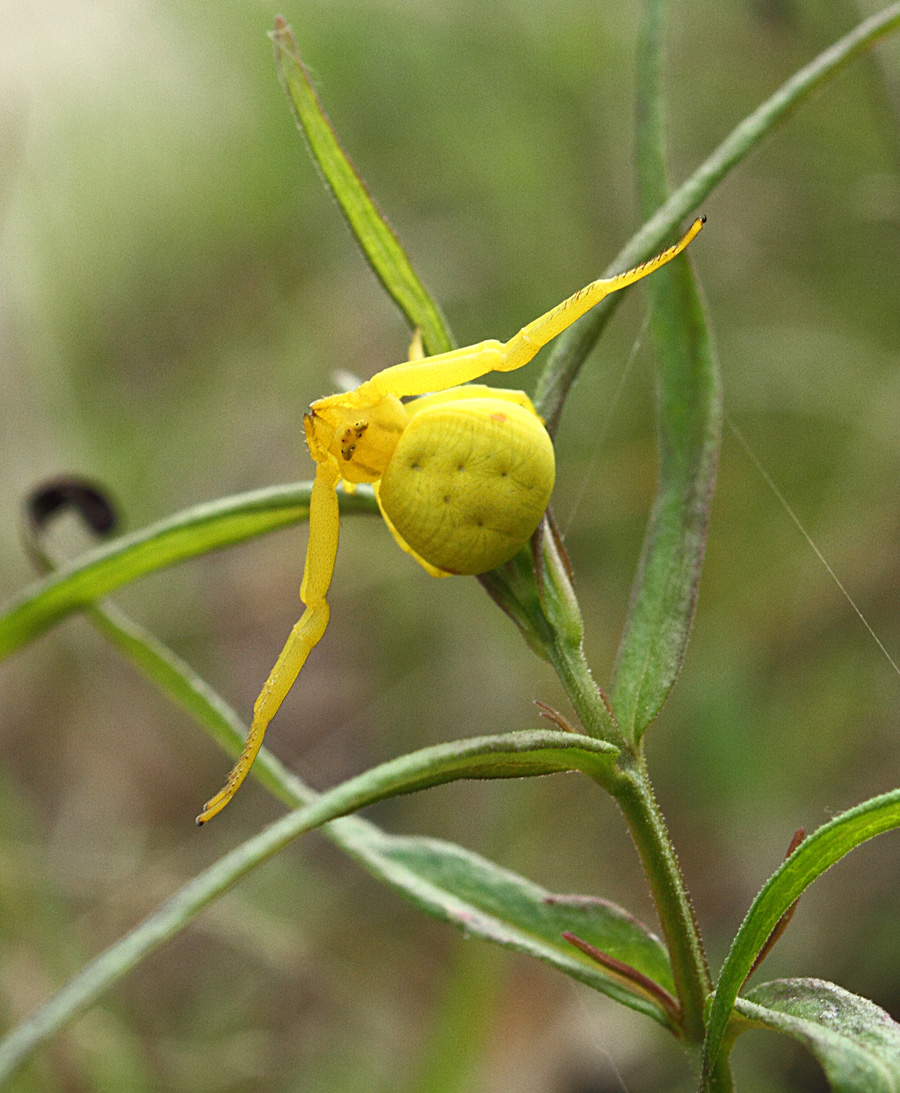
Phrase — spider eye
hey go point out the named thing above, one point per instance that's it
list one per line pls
(363, 446)
(349, 440)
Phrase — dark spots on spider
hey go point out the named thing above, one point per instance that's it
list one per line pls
(447, 500)
(461, 467)
(415, 465)
(354, 433)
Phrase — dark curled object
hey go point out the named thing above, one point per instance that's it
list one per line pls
(70, 492)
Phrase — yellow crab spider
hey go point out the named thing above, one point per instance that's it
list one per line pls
(462, 474)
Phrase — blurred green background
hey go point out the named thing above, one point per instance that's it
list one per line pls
(176, 289)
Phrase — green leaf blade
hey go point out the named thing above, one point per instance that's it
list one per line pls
(814, 856)
(572, 347)
(187, 534)
(664, 594)
(513, 755)
(447, 882)
(856, 1042)
(368, 224)
(487, 901)
(689, 428)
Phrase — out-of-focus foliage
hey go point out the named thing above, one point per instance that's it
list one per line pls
(176, 288)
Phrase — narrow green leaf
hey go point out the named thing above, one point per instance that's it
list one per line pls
(689, 426)
(572, 347)
(446, 881)
(372, 232)
(187, 534)
(484, 900)
(812, 858)
(857, 1043)
(510, 756)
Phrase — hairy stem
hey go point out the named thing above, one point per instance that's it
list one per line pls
(632, 790)
(635, 798)
(588, 700)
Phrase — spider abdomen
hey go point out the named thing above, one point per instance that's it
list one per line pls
(469, 482)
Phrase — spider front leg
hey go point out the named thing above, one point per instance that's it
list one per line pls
(321, 550)
(459, 366)
(522, 347)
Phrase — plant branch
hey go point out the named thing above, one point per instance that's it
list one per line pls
(573, 346)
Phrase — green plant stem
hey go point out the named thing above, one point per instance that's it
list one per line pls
(632, 790)
(586, 697)
(720, 1079)
(635, 798)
